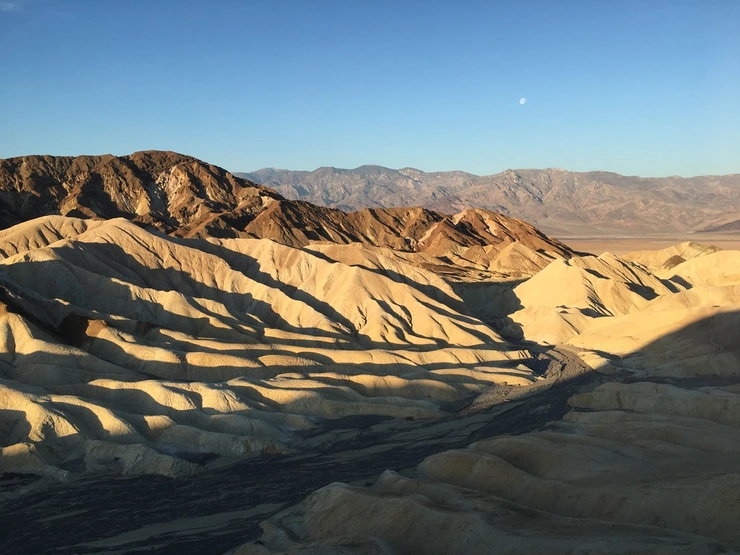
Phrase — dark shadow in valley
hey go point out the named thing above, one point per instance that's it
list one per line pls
(93, 509)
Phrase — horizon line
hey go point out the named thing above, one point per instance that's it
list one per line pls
(275, 168)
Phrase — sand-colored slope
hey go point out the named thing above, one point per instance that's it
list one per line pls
(718, 268)
(41, 233)
(193, 349)
(646, 462)
(693, 331)
(567, 296)
(637, 466)
(665, 259)
(704, 339)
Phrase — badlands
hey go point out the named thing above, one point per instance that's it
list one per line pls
(191, 363)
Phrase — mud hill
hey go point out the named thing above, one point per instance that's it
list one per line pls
(122, 345)
(644, 461)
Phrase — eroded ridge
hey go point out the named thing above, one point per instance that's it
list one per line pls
(646, 462)
(129, 351)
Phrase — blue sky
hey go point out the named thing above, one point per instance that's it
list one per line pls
(636, 87)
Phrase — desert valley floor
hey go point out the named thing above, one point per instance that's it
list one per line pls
(655, 242)
(192, 363)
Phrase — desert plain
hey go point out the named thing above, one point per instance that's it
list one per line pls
(623, 245)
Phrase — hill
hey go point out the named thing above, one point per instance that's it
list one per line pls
(113, 337)
(172, 192)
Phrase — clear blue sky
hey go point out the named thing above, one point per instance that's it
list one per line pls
(643, 87)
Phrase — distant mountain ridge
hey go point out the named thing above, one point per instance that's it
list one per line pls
(185, 197)
(555, 200)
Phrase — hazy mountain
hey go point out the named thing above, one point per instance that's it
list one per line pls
(555, 200)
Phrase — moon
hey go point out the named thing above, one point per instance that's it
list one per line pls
(522, 100)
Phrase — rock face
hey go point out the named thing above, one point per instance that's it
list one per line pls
(557, 201)
(401, 229)
(175, 193)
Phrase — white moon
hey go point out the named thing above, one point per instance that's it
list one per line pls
(522, 100)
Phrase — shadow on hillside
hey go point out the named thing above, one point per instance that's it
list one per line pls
(246, 264)
(285, 480)
(81, 328)
(245, 318)
(711, 337)
(14, 427)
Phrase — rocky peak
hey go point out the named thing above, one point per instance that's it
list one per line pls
(160, 188)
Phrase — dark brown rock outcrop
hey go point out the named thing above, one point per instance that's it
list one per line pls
(184, 197)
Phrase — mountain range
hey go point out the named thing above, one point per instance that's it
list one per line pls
(185, 197)
(557, 201)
